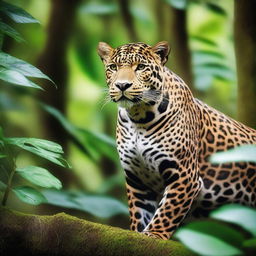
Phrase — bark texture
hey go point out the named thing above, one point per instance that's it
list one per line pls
(180, 52)
(62, 234)
(245, 49)
(128, 19)
(53, 63)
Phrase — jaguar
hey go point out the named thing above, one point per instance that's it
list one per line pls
(165, 138)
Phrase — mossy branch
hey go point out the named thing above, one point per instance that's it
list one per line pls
(63, 234)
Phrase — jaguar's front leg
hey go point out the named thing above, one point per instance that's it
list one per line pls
(179, 194)
(142, 202)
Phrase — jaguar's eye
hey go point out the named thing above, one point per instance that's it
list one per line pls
(113, 67)
(140, 66)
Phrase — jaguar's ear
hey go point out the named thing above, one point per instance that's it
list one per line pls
(104, 50)
(162, 49)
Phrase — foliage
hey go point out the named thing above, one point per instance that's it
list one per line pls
(243, 153)
(220, 238)
(99, 206)
(93, 144)
(34, 174)
(13, 70)
(16, 71)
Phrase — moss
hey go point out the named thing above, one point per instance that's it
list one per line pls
(63, 234)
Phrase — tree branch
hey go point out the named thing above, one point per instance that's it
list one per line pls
(63, 234)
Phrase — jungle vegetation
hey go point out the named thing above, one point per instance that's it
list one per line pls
(57, 146)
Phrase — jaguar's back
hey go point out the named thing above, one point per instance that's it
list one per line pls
(229, 182)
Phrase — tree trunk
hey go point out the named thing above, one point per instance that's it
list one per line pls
(63, 234)
(53, 63)
(180, 52)
(245, 49)
(128, 19)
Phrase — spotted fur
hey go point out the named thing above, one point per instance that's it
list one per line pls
(165, 137)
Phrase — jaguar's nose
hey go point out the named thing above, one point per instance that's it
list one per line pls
(123, 86)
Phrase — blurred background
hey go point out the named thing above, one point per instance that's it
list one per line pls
(76, 116)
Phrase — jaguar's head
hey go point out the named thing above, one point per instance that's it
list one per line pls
(134, 72)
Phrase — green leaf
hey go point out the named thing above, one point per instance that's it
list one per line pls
(215, 69)
(99, 144)
(16, 13)
(203, 57)
(216, 9)
(99, 8)
(14, 77)
(69, 127)
(2, 156)
(178, 4)
(203, 40)
(215, 238)
(6, 29)
(29, 195)
(99, 206)
(250, 243)
(39, 176)
(43, 148)
(21, 66)
(237, 214)
(244, 153)
(93, 144)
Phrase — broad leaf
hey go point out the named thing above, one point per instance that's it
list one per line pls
(237, 214)
(29, 195)
(215, 238)
(2, 156)
(204, 57)
(21, 66)
(69, 127)
(100, 206)
(14, 77)
(16, 13)
(6, 29)
(99, 144)
(215, 69)
(43, 148)
(244, 153)
(203, 40)
(92, 143)
(39, 176)
(250, 243)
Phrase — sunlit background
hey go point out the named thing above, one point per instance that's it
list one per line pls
(76, 114)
